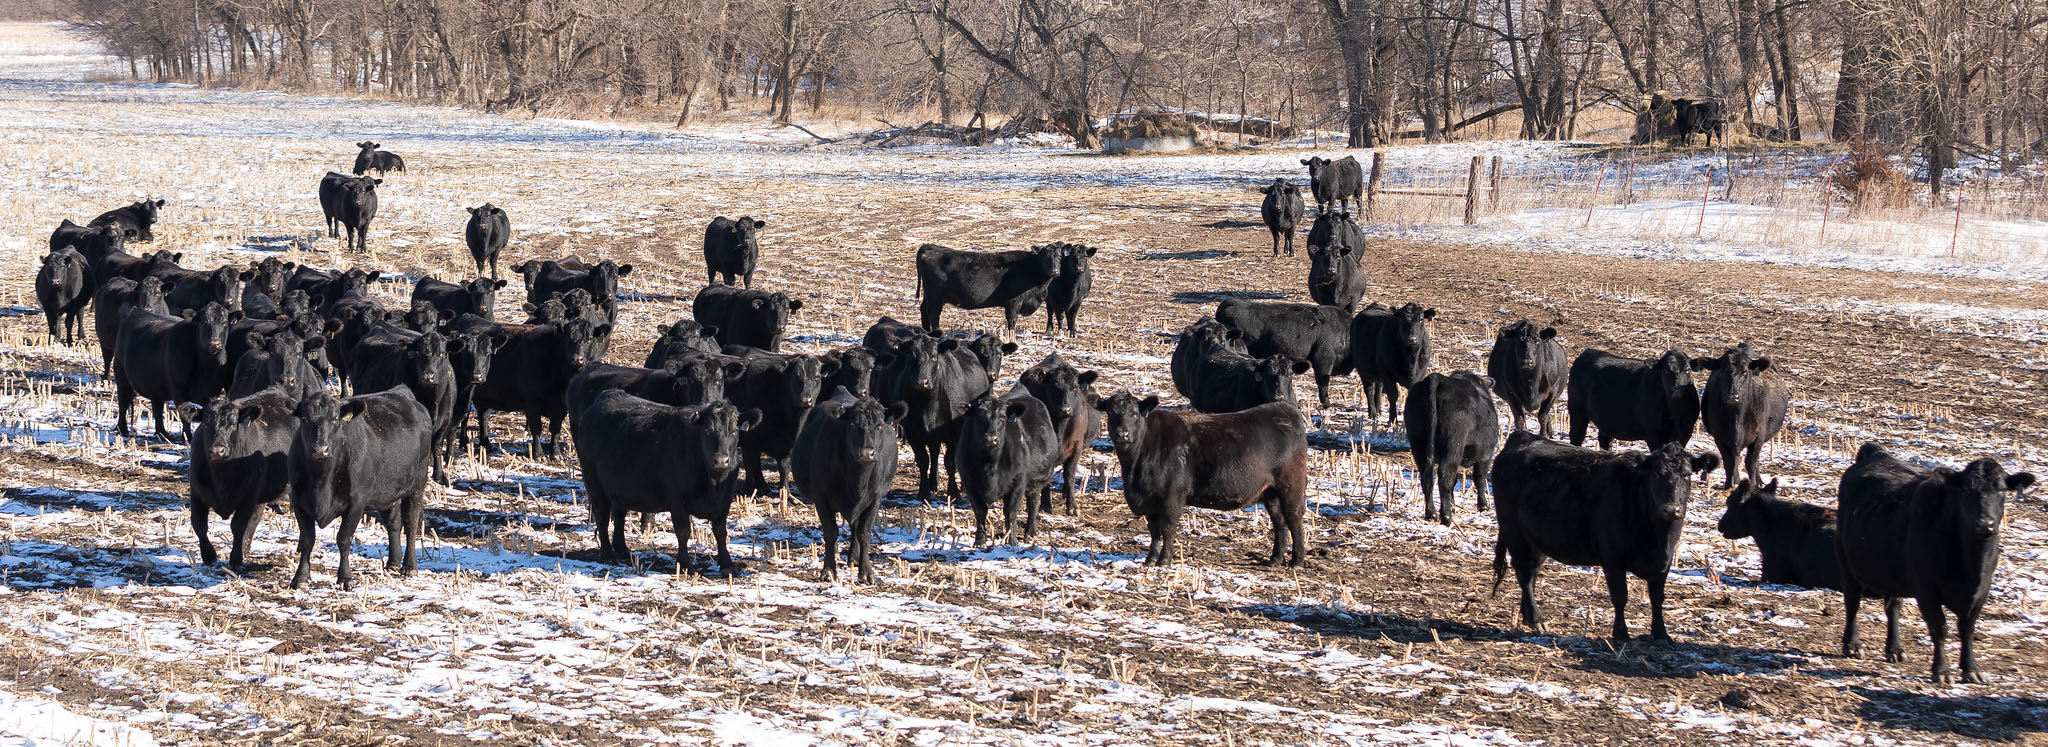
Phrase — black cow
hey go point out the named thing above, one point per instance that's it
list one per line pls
(1701, 117)
(1743, 406)
(843, 460)
(294, 315)
(238, 466)
(849, 367)
(1528, 370)
(1452, 426)
(1796, 540)
(1013, 280)
(63, 288)
(269, 281)
(357, 312)
(782, 388)
(472, 365)
(1335, 181)
(323, 286)
(390, 356)
(1193, 347)
(170, 359)
(638, 455)
(1282, 212)
(1317, 335)
(351, 456)
(120, 264)
(1063, 296)
(1652, 400)
(368, 159)
(486, 233)
(113, 300)
(1390, 350)
(1622, 512)
(530, 373)
(1231, 381)
(192, 289)
(95, 242)
(732, 249)
(1064, 391)
(1336, 249)
(988, 349)
(134, 220)
(280, 360)
(1172, 460)
(681, 382)
(1928, 534)
(886, 333)
(350, 202)
(754, 318)
(680, 338)
(1007, 451)
(601, 281)
(937, 381)
(476, 296)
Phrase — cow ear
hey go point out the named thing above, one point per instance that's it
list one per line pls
(498, 284)
(1486, 382)
(1148, 404)
(1233, 333)
(882, 360)
(1773, 487)
(246, 276)
(1429, 313)
(828, 364)
(760, 224)
(795, 304)
(949, 344)
(1015, 410)
(1305, 161)
(160, 203)
(456, 345)
(1740, 493)
(1549, 333)
(234, 316)
(472, 211)
(895, 412)
(733, 370)
(1266, 190)
(1702, 364)
(249, 412)
(1702, 463)
(352, 408)
(1088, 377)
(332, 328)
(1091, 251)
(315, 343)
(2020, 481)
(1760, 364)
(707, 331)
(1009, 347)
(186, 314)
(750, 418)
(625, 269)
(602, 330)
(759, 303)
(372, 276)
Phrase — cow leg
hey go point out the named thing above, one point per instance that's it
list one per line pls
(1937, 629)
(918, 459)
(306, 537)
(1276, 243)
(483, 430)
(1010, 318)
(928, 315)
(724, 553)
(156, 412)
(243, 523)
(124, 398)
(615, 522)
(710, 275)
(979, 504)
(1052, 322)
(1393, 403)
(555, 435)
(684, 523)
(199, 522)
(863, 535)
(1617, 594)
(1852, 600)
(1579, 419)
(1750, 464)
(1893, 650)
(1323, 386)
(1425, 474)
(1543, 425)
(393, 548)
(1011, 495)
(1272, 504)
(1035, 505)
(1067, 478)
(1729, 463)
(1155, 526)
(1446, 491)
(952, 454)
(1170, 537)
(344, 540)
(1656, 583)
(1481, 474)
(1526, 565)
(1966, 630)
(415, 522)
(1606, 444)
(756, 482)
(828, 526)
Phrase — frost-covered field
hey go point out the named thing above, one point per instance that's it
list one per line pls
(114, 634)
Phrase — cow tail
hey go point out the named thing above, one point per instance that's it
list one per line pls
(1500, 565)
(918, 265)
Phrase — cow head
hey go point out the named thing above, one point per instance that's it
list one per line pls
(426, 356)
(551, 311)
(1124, 415)
(989, 349)
(1211, 333)
(1074, 260)
(1274, 377)
(1282, 190)
(528, 272)
(269, 277)
(361, 195)
(1317, 166)
(1046, 258)
(854, 366)
(109, 238)
(1410, 337)
(603, 283)
(292, 355)
(471, 360)
(212, 322)
(691, 335)
(483, 294)
(232, 428)
(716, 427)
(801, 377)
(772, 311)
(583, 341)
(149, 294)
(1673, 374)
(1745, 508)
(1062, 388)
(316, 450)
(65, 268)
(1742, 369)
(914, 365)
(1663, 478)
(743, 231)
(1972, 499)
(868, 426)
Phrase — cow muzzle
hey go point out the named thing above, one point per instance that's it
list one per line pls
(722, 463)
(866, 456)
(1672, 511)
(924, 385)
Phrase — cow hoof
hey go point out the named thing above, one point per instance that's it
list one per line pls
(1895, 656)
(1974, 678)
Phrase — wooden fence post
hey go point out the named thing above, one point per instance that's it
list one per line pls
(1472, 191)
(1372, 183)
(1493, 192)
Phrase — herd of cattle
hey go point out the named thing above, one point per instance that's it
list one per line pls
(248, 351)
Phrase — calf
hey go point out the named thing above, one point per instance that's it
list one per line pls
(782, 388)
(936, 381)
(680, 338)
(239, 466)
(754, 318)
(351, 456)
(1931, 534)
(644, 456)
(530, 373)
(133, 220)
(1282, 212)
(1796, 540)
(169, 359)
(1231, 381)
(112, 301)
(63, 288)
(731, 249)
(392, 357)
(349, 202)
(1194, 346)
(851, 367)
(1528, 371)
(681, 382)
(1336, 247)
(1315, 334)
(1652, 401)
(369, 158)
(842, 462)
(1063, 296)
(1390, 350)
(191, 289)
(1335, 181)
(282, 361)
(1075, 421)
(1013, 280)
(1452, 426)
(1622, 512)
(1173, 460)
(601, 281)
(486, 233)
(1743, 406)
(476, 296)
(1007, 451)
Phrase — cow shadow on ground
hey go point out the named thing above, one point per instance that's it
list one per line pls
(1208, 297)
(46, 566)
(276, 244)
(35, 500)
(638, 296)
(473, 523)
(1190, 254)
(1232, 223)
(1989, 717)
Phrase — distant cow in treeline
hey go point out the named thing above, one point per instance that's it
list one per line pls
(1680, 119)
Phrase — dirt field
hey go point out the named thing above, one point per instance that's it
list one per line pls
(510, 634)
